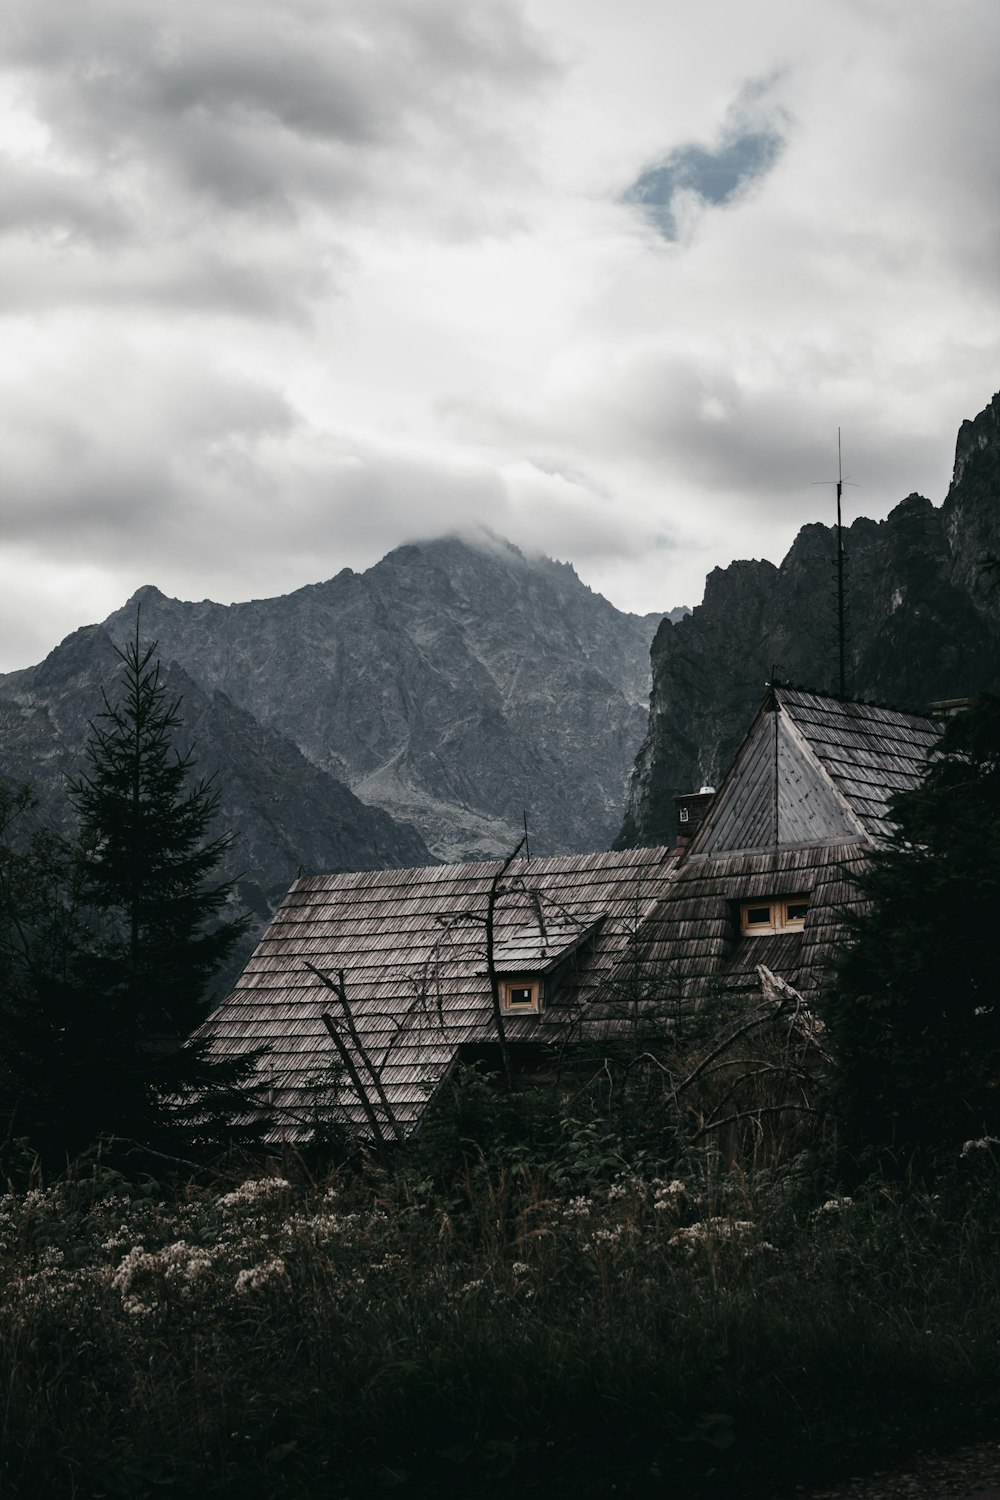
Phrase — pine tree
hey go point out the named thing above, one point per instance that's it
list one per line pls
(144, 829)
(160, 930)
(914, 1013)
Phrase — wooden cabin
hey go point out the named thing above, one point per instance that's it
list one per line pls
(406, 966)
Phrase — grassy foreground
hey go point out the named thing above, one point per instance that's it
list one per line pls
(284, 1334)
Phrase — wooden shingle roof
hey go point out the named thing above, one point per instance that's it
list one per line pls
(411, 947)
(692, 938)
(868, 752)
(814, 769)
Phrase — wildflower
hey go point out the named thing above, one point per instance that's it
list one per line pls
(982, 1144)
(577, 1208)
(136, 1308)
(834, 1206)
(179, 1262)
(254, 1193)
(668, 1196)
(703, 1233)
(520, 1268)
(257, 1278)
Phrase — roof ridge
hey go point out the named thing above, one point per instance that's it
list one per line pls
(847, 701)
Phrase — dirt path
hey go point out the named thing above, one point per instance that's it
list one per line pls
(968, 1474)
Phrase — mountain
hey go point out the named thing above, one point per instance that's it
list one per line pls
(286, 815)
(457, 684)
(923, 623)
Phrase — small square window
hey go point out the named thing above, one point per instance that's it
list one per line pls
(522, 995)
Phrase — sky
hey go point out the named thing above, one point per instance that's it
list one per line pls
(286, 283)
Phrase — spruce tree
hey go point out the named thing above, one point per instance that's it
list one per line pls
(147, 866)
(148, 857)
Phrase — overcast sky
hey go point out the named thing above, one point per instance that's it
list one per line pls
(285, 283)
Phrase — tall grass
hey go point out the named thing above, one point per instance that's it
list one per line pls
(293, 1335)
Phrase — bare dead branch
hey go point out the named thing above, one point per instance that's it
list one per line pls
(339, 988)
(755, 1021)
(753, 1115)
(352, 1073)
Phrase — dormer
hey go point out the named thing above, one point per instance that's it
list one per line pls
(526, 957)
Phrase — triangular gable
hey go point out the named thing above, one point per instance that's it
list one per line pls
(866, 752)
(775, 794)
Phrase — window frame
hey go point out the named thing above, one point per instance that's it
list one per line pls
(778, 921)
(530, 982)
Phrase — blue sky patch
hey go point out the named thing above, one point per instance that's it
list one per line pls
(716, 176)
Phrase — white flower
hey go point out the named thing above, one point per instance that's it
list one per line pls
(983, 1144)
(253, 1193)
(834, 1206)
(179, 1262)
(711, 1229)
(256, 1278)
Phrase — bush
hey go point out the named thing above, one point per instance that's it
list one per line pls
(280, 1335)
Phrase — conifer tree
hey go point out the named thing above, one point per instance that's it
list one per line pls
(914, 1012)
(147, 861)
(148, 857)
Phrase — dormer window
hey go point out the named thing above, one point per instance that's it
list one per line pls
(773, 914)
(521, 996)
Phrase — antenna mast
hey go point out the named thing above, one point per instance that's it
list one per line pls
(840, 481)
(841, 642)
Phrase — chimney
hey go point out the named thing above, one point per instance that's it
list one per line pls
(691, 810)
(947, 708)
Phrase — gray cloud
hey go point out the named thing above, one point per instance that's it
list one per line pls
(260, 103)
(106, 467)
(56, 204)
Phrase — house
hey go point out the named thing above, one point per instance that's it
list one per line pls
(394, 976)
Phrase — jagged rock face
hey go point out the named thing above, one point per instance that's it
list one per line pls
(285, 814)
(923, 622)
(970, 511)
(456, 685)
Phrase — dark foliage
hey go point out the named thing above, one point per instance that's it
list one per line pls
(914, 1014)
(108, 946)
